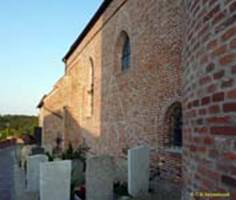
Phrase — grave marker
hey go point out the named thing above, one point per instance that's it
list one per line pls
(99, 178)
(55, 180)
(138, 171)
(33, 163)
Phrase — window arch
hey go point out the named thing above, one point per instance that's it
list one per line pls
(173, 124)
(91, 88)
(126, 51)
(122, 53)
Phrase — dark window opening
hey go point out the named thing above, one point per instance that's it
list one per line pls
(91, 89)
(126, 55)
(175, 125)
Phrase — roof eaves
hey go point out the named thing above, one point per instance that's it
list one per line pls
(91, 23)
(40, 105)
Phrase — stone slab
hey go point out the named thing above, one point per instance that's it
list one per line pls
(138, 171)
(55, 180)
(99, 178)
(32, 176)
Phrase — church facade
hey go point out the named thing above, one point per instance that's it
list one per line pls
(159, 73)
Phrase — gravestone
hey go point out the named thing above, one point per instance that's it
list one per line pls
(138, 171)
(55, 179)
(99, 178)
(33, 163)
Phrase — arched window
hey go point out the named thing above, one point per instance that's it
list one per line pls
(91, 88)
(174, 124)
(125, 59)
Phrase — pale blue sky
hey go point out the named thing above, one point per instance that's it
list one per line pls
(34, 37)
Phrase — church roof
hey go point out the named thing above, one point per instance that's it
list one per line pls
(91, 23)
(40, 105)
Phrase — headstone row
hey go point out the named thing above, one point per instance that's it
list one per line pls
(52, 179)
(100, 175)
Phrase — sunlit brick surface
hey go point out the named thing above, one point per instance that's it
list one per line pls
(209, 61)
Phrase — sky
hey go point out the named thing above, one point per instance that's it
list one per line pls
(34, 37)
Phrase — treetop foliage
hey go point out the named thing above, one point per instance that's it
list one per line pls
(17, 125)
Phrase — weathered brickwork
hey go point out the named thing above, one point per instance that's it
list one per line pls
(129, 107)
(181, 51)
(51, 116)
(209, 97)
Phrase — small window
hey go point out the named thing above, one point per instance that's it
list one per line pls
(90, 90)
(125, 60)
(174, 125)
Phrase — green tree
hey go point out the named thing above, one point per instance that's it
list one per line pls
(17, 125)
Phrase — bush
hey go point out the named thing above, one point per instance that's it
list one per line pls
(121, 189)
(78, 157)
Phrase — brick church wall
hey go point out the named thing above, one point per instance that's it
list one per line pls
(51, 115)
(129, 107)
(209, 97)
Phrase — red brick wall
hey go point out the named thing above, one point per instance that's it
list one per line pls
(130, 107)
(209, 79)
(134, 103)
(51, 116)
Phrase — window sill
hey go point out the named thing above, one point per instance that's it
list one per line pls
(176, 150)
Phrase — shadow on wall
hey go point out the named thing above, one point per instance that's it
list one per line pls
(62, 127)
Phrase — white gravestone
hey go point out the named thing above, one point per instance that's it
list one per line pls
(99, 178)
(138, 171)
(55, 180)
(33, 163)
